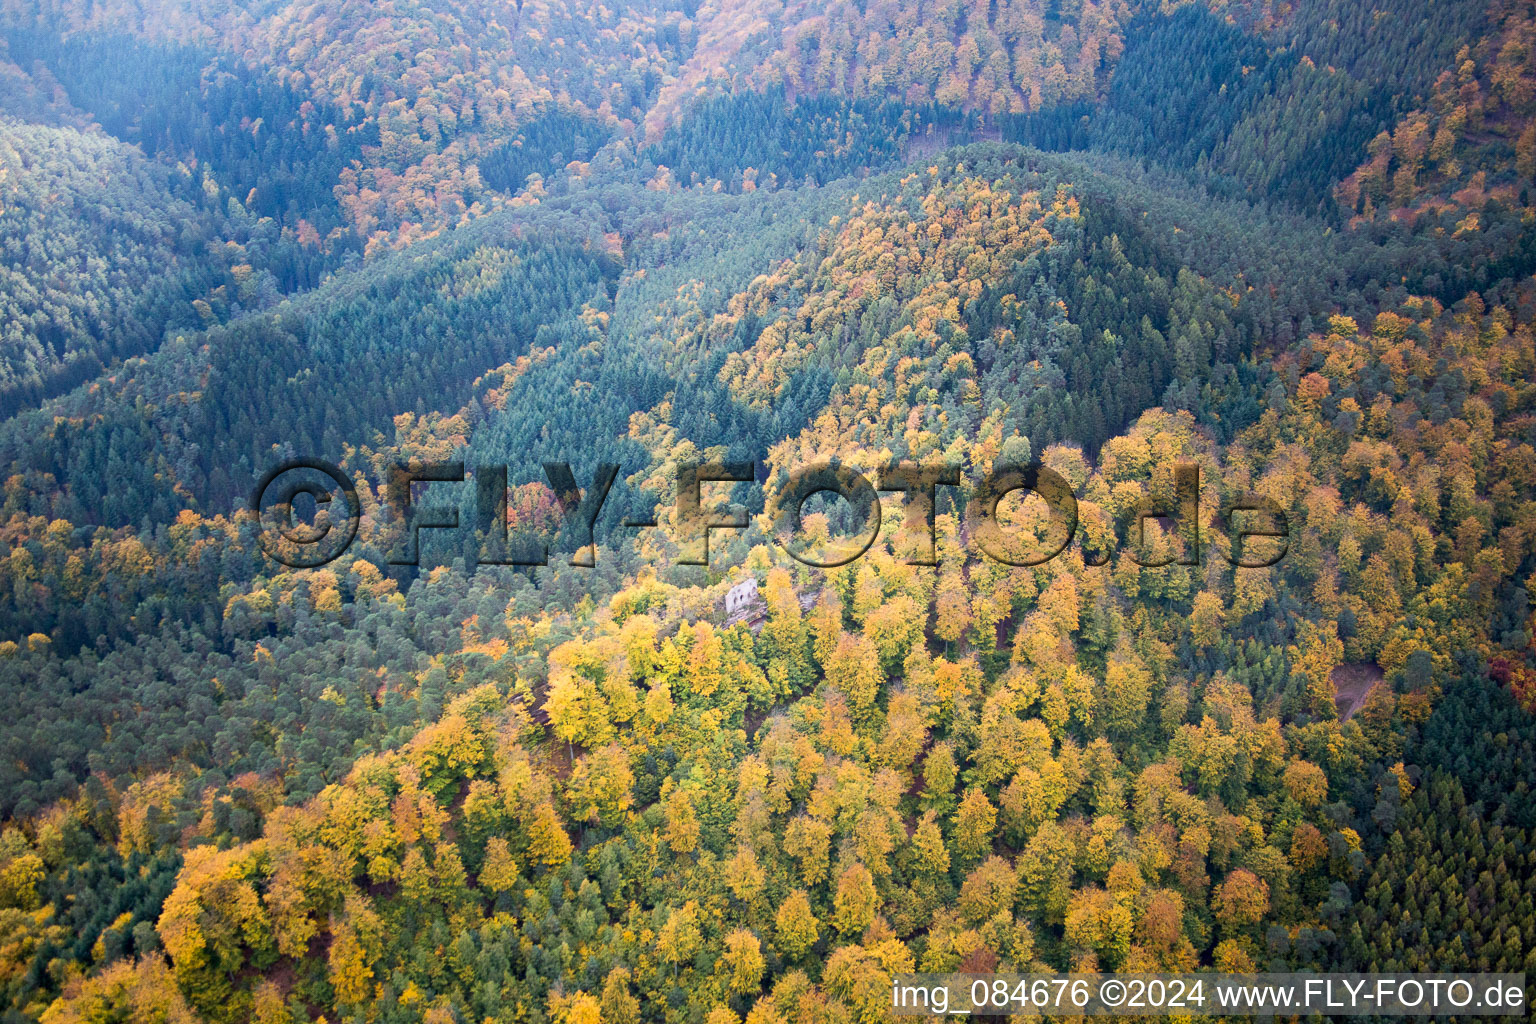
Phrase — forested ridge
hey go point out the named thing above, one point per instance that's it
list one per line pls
(1288, 243)
(104, 256)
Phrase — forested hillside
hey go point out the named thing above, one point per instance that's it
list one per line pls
(1291, 244)
(104, 255)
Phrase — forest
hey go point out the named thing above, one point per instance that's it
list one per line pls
(1292, 244)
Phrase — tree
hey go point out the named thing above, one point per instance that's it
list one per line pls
(952, 611)
(893, 629)
(939, 774)
(854, 669)
(579, 1008)
(929, 855)
(1127, 692)
(1317, 653)
(853, 905)
(679, 936)
(498, 874)
(577, 710)
(356, 942)
(1308, 846)
(547, 842)
(796, 927)
(19, 879)
(1305, 783)
(1241, 899)
(416, 877)
(743, 875)
(988, 889)
(682, 823)
(972, 827)
(861, 977)
(905, 732)
(600, 786)
(1096, 921)
(1161, 922)
(743, 961)
(807, 839)
(618, 1004)
(783, 639)
(1205, 619)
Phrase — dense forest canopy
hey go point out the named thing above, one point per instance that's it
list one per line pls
(1290, 244)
